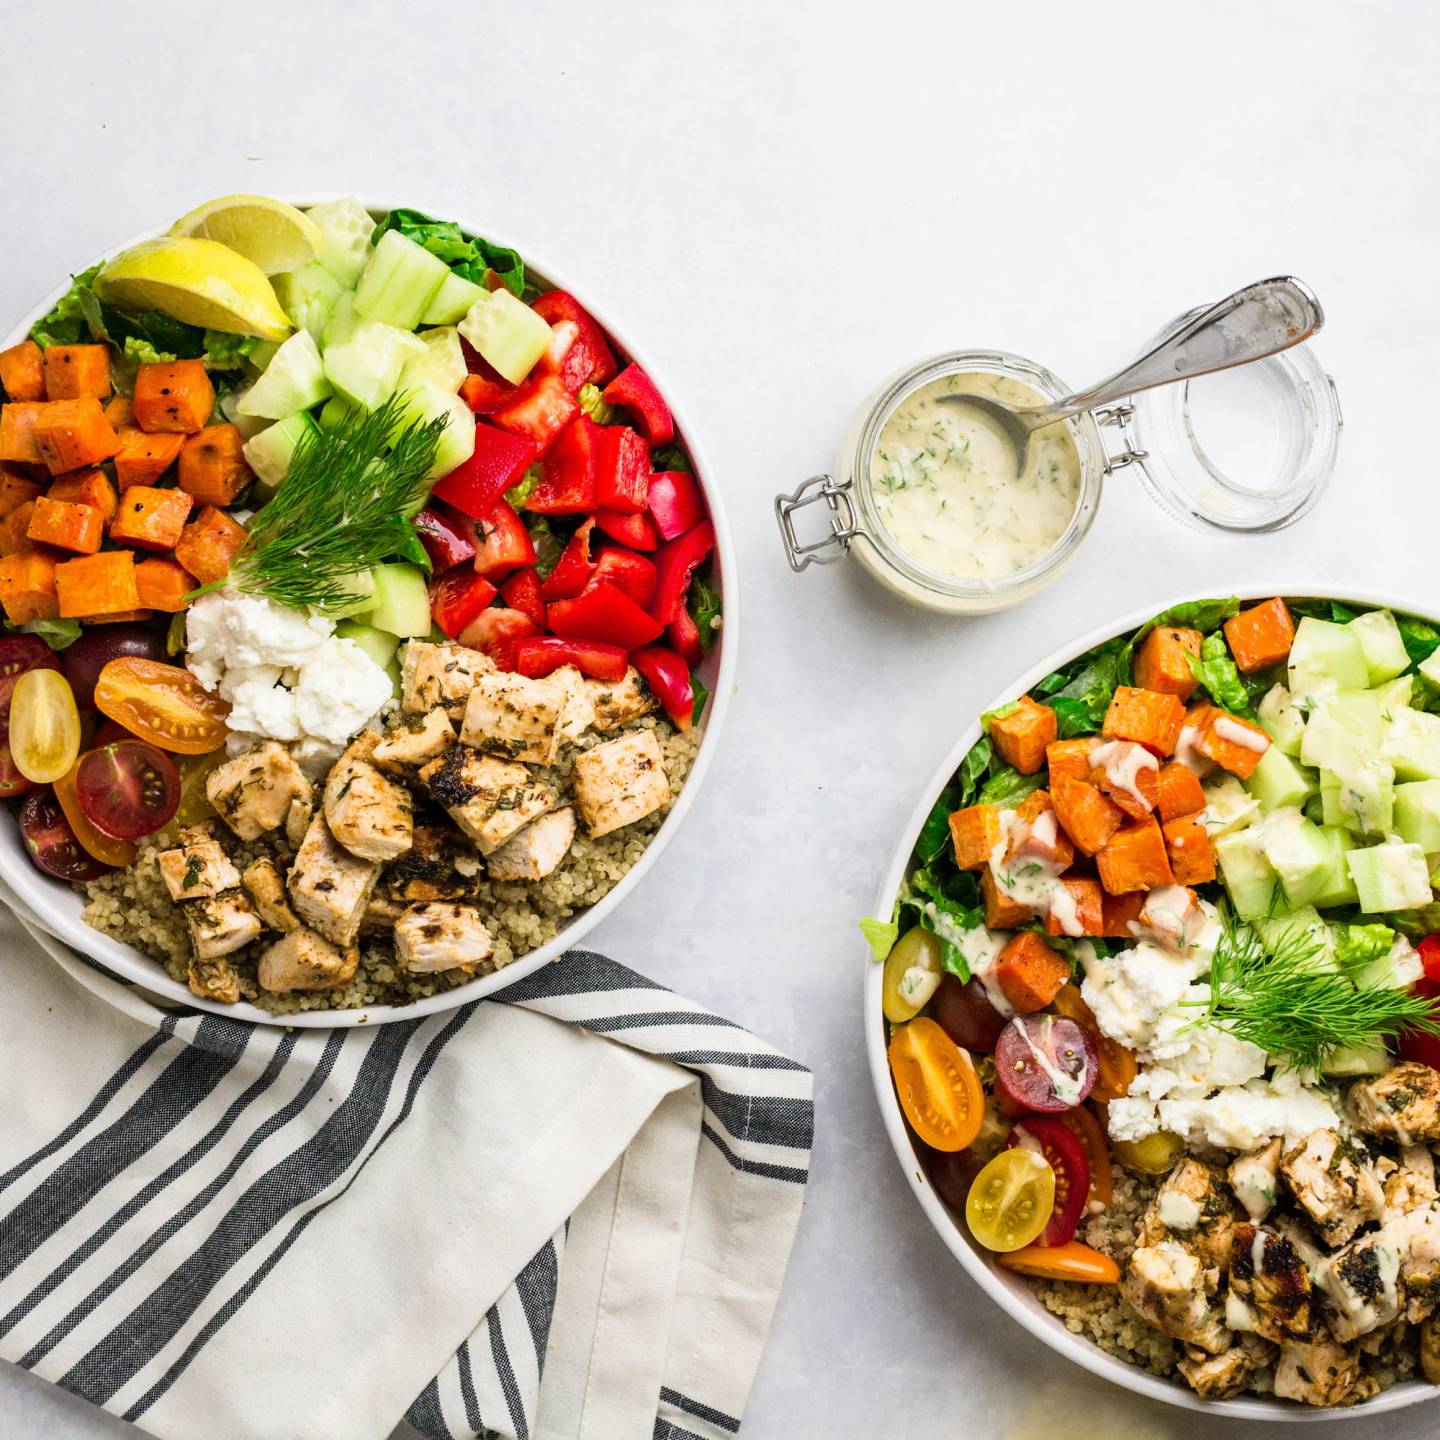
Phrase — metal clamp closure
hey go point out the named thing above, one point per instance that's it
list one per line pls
(843, 529)
(1119, 415)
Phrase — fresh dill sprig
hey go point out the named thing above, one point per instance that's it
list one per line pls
(345, 505)
(1282, 997)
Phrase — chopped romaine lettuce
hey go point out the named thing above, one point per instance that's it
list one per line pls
(468, 256)
(880, 935)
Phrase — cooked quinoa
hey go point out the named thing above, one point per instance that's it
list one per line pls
(134, 905)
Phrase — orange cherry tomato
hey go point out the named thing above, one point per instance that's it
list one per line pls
(1117, 1064)
(94, 842)
(164, 704)
(1070, 1261)
(938, 1088)
(1083, 1125)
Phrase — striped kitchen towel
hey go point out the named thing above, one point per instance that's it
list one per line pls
(562, 1212)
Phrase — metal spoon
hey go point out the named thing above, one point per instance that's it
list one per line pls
(1260, 320)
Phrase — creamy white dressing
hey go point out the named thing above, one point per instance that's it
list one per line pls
(1123, 762)
(1189, 756)
(917, 985)
(1178, 1211)
(1068, 1088)
(1238, 1314)
(943, 477)
(1254, 1187)
(1066, 911)
(1241, 735)
(980, 949)
(1018, 862)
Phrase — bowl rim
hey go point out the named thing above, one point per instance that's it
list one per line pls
(58, 907)
(1009, 1292)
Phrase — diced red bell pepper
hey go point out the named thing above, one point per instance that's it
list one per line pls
(603, 612)
(668, 677)
(635, 390)
(590, 356)
(676, 503)
(539, 410)
(447, 542)
(567, 473)
(573, 568)
(636, 531)
(622, 470)
(676, 562)
(497, 462)
(457, 598)
(549, 652)
(1416, 1045)
(484, 396)
(502, 543)
(684, 638)
(522, 592)
(627, 571)
(497, 631)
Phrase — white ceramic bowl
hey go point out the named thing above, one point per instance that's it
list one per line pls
(59, 907)
(1010, 1292)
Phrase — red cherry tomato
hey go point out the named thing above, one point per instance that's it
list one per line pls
(1046, 1063)
(952, 1172)
(19, 653)
(52, 843)
(128, 789)
(1066, 1157)
(964, 1012)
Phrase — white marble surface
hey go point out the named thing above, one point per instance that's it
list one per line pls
(786, 202)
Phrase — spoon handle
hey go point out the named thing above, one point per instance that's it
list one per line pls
(1260, 320)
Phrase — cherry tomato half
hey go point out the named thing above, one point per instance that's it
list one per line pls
(164, 704)
(52, 843)
(18, 655)
(1066, 1157)
(963, 1011)
(1045, 1062)
(938, 1088)
(128, 789)
(105, 848)
(1010, 1202)
(1083, 1125)
(1071, 1261)
(1117, 1066)
(912, 971)
(12, 782)
(952, 1172)
(44, 725)
(83, 661)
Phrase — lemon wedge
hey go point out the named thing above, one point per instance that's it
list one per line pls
(276, 236)
(198, 281)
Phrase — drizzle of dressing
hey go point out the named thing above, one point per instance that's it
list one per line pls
(1189, 756)
(1123, 761)
(1066, 910)
(1254, 1187)
(1068, 1088)
(1179, 1211)
(1241, 735)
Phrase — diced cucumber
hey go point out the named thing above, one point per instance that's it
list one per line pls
(309, 296)
(1362, 713)
(452, 300)
(399, 282)
(1397, 969)
(361, 585)
(293, 381)
(1277, 781)
(1298, 853)
(423, 403)
(1325, 657)
(1229, 806)
(1429, 667)
(269, 453)
(1336, 887)
(1358, 1060)
(1385, 653)
(1396, 692)
(397, 683)
(1330, 744)
(336, 409)
(364, 358)
(229, 405)
(1360, 795)
(377, 644)
(1284, 724)
(443, 362)
(1303, 924)
(347, 226)
(260, 357)
(507, 332)
(402, 601)
(1392, 876)
(1417, 814)
(1412, 744)
(1249, 879)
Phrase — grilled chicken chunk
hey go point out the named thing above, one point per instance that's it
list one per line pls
(1269, 1278)
(303, 960)
(1223, 1376)
(536, 850)
(1412, 1183)
(1403, 1104)
(1416, 1238)
(368, 813)
(1321, 1373)
(213, 980)
(198, 868)
(253, 792)
(1430, 1349)
(489, 799)
(329, 887)
(1362, 1283)
(1193, 1206)
(414, 741)
(221, 924)
(1166, 1284)
(620, 782)
(579, 712)
(297, 820)
(517, 717)
(441, 935)
(440, 864)
(442, 675)
(381, 913)
(266, 889)
(1255, 1179)
(619, 703)
(1334, 1184)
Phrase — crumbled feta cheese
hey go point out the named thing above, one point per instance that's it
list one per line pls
(1130, 991)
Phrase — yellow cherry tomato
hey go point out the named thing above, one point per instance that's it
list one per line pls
(44, 726)
(937, 1085)
(1154, 1155)
(912, 975)
(1009, 1204)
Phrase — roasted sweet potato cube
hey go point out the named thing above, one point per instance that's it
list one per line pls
(212, 467)
(163, 585)
(16, 488)
(75, 370)
(65, 525)
(175, 398)
(1022, 734)
(1161, 664)
(208, 544)
(13, 529)
(1180, 792)
(1192, 861)
(975, 832)
(102, 584)
(120, 413)
(1077, 908)
(1147, 716)
(151, 519)
(1001, 912)
(1134, 858)
(1261, 636)
(27, 586)
(1119, 912)
(1070, 757)
(1030, 973)
(142, 459)
(1128, 773)
(1233, 744)
(86, 487)
(22, 371)
(118, 617)
(1087, 817)
(73, 434)
(17, 432)
(1035, 834)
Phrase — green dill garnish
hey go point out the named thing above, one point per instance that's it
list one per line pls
(1285, 998)
(345, 506)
